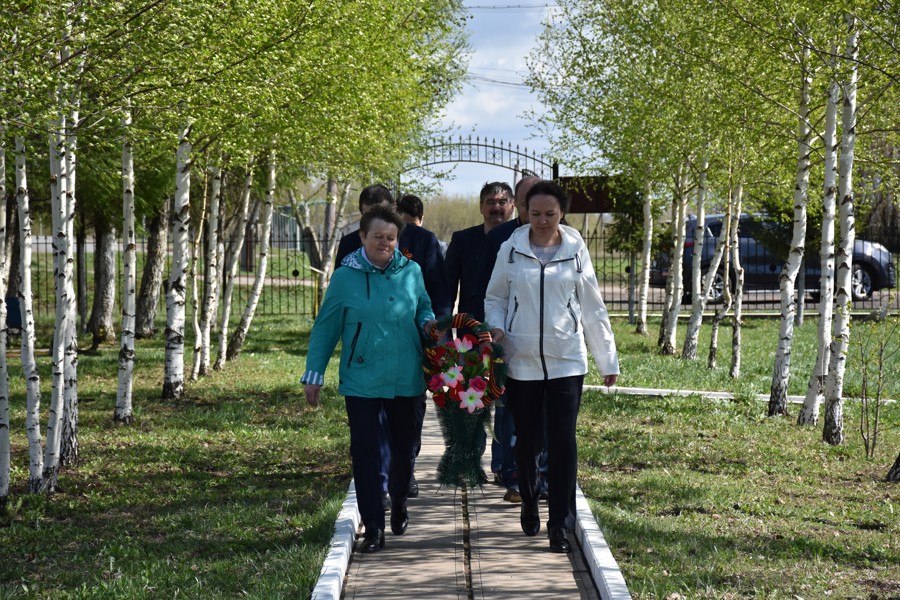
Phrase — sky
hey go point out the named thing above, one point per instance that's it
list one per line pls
(493, 102)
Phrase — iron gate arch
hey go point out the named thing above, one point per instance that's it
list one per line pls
(486, 152)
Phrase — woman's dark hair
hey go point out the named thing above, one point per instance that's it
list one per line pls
(550, 188)
(374, 194)
(381, 213)
(411, 205)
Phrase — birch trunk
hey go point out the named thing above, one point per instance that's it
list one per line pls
(69, 445)
(151, 279)
(100, 324)
(646, 253)
(196, 244)
(210, 300)
(698, 297)
(4, 371)
(712, 357)
(58, 200)
(894, 472)
(240, 334)
(670, 284)
(781, 370)
(233, 260)
(123, 411)
(738, 283)
(676, 271)
(833, 430)
(809, 414)
(173, 383)
(29, 365)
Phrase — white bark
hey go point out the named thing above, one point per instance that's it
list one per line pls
(712, 358)
(738, 283)
(195, 240)
(646, 255)
(4, 371)
(233, 262)
(173, 383)
(58, 200)
(210, 300)
(240, 333)
(123, 411)
(154, 266)
(676, 271)
(833, 430)
(781, 370)
(809, 414)
(698, 297)
(69, 444)
(29, 365)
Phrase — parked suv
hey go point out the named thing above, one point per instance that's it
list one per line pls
(873, 265)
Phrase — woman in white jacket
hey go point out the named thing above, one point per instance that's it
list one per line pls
(543, 303)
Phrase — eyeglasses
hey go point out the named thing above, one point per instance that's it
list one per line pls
(500, 203)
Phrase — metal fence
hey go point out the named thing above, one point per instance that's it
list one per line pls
(290, 285)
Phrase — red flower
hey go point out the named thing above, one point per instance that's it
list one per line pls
(440, 399)
(473, 341)
(439, 353)
(435, 383)
(478, 383)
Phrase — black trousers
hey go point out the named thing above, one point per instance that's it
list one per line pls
(557, 401)
(365, 439)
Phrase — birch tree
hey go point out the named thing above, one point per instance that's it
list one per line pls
(233, 262)
(738, 270)
(123, 410)
(833, 430)
(240, 333)
(782, 367)
(173, 384)
(646, 257)
(676, 270)
(809, 414)
(212, 271)
(698, 298)
(5, 448)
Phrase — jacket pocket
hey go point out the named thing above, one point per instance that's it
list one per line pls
(572, 314)
(353, 344)
(515, 311)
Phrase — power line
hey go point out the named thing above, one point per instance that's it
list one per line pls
(511, 6)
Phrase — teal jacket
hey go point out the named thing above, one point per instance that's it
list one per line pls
(378, 316)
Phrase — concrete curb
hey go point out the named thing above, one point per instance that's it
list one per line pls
(605, 570)
(635, 391)
(331, 577)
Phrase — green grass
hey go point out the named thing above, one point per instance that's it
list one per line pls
(232, 492)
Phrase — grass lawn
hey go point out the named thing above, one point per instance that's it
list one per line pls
(232, 491)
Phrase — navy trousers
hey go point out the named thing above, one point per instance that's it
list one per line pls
(556, 402)
(365, 439)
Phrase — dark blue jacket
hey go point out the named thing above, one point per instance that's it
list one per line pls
(492, 242)
(463, 262)
(420, 245)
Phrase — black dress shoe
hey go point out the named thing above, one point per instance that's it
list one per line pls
(385, 501)
(373, 541)
(530, 519)
(559, 540)
(399, 519)
(413, 488)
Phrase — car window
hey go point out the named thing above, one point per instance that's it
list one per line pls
(714, 229)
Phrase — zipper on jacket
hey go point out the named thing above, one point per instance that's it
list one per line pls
(541, 337)
(572, 313)
(515, 310)
(353, 343)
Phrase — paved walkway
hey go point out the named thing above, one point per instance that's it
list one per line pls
(466, 545)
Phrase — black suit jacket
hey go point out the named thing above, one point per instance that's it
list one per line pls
(492, 243)
(464, 256)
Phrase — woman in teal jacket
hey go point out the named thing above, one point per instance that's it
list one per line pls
(378, 308)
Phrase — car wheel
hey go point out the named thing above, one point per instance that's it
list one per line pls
(861, 283)
(716, 291)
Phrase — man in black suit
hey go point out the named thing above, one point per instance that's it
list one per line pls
(465, 256)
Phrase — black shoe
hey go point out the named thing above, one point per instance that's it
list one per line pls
(559, 540)
(399, 519)
(543, 494)
(413, 488)
(373, 541)
(385, 501)
(530, 519)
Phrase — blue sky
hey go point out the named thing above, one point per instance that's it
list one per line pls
(493, 102)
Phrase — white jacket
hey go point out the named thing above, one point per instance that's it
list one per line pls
(548, 311)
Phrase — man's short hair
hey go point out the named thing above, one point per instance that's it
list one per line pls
(525, 178)
(382, 213)
(411, 205)
(374, 194)
(550, 188)
(493, 188)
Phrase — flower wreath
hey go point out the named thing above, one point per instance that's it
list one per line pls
(469, 370)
